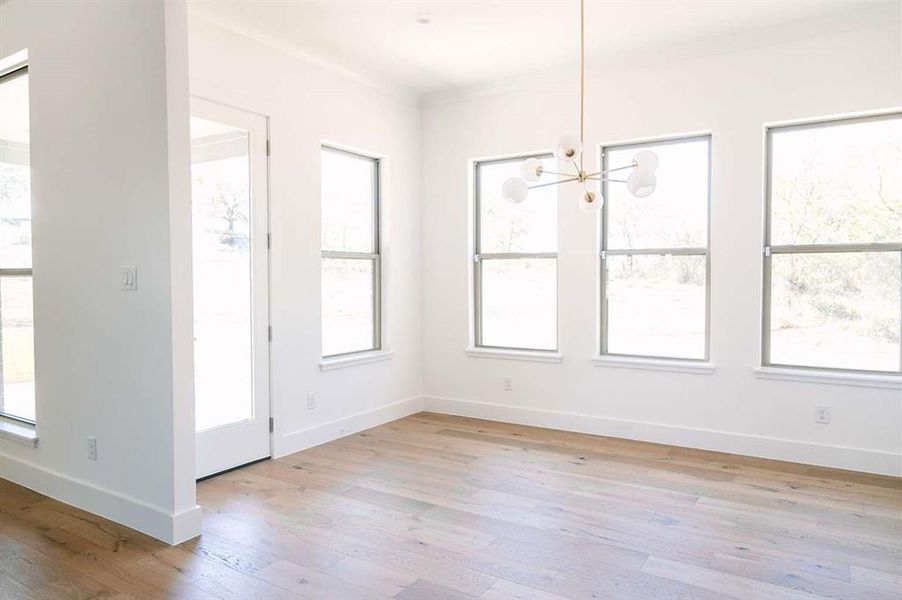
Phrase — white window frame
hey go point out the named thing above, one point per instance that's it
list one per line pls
(670, 363)
(477, 348)
(806, 372)
(330, 361)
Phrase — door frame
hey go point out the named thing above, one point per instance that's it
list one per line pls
(267, 290)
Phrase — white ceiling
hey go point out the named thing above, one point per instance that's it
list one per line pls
(474, 42)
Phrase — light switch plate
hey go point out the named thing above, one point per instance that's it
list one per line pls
(129, 277)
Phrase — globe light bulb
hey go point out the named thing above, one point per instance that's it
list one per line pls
(531, 169)
(646, 160)
(591, 202)
(514, 190)
(641, 183)
(567, 148)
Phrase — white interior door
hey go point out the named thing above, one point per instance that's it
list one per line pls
(231, 304)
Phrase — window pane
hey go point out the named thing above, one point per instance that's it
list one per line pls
(348, 202)
(837, 183)
(16, 316)
(223, 325)
(676, 214)
(17, 360)
(530, 226)
(519, 303)
(15, 211)
(348, 307)
(838, 310)
(656, 306)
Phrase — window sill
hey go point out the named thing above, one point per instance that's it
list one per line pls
(655, 364)
(527, 355)
(341, 362)
(19, 432)
(892, 382)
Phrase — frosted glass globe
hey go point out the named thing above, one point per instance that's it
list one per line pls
(531, 169)
(646, 160)
(641, 183)
(591, 202)
(514, 190)
(567, 148)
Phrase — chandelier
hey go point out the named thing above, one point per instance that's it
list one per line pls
(568, 149)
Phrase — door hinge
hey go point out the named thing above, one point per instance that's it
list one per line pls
(604, 254)
(272, 426)
(767, 251)
(268, 147)
(269, 241)
(269, 333)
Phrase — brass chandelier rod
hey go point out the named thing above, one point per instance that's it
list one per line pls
(582, 78)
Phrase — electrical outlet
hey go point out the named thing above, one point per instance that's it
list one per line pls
(508, 383)
(822, 414)
(311, 401)
(92, 448)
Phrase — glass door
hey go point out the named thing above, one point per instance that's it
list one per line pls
(230, 268)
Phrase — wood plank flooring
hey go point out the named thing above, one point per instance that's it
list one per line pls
(433, 507)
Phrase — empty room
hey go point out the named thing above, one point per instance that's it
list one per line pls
(451, 299)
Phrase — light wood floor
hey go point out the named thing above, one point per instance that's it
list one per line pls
(436, 507)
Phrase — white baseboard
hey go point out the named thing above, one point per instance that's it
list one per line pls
(302, 439)
(840, 457)
(152, 520)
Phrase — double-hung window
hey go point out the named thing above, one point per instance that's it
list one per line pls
(16, 317)
(351, 259)
(654, 255)
(514, 261)
(833, 245)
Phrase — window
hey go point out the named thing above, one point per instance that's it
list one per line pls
(351, 261)
(654, 255)
(16, 317)
(833, 245)
(515, 261)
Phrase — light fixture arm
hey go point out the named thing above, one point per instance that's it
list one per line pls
(541, 185)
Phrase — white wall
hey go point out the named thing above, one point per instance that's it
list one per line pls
(732, 96)
(307, 104)
(109, 143)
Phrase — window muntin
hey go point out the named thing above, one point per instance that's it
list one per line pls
(833, 245)
(351, 259)
(515, 261)
(654, 255)
(16, 307)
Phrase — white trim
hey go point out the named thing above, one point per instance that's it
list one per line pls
(302, 439)
(363, 358)
(874, 380)
(14, 61)
(508, 354)
(840, 457)
(172, 528)
(655, 364)
(880, 112)
(19, 432)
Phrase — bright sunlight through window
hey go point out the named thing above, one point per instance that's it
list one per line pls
(351, 261)
(833, 247)
(515, 262)
(655, 255)
(16, 315)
